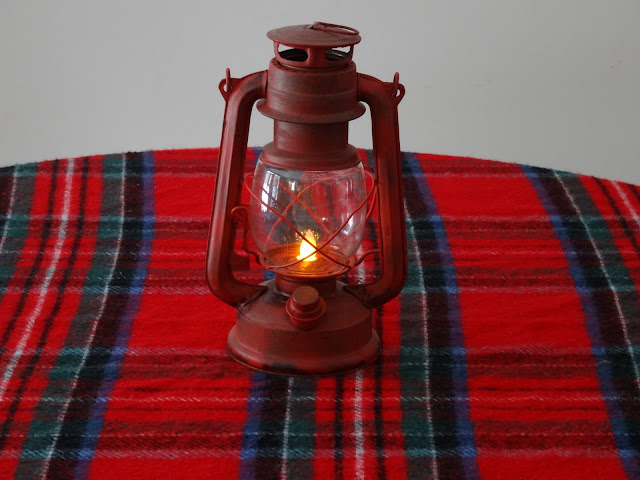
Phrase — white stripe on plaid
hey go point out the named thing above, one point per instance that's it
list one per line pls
(94, 326)
(357, 426)
(285, 433)
(616, 298)
(37, 310)
(627, 203)
(425, 333)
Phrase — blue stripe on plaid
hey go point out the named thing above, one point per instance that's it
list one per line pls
(112, 367)
(585, 291)
(251, 428)
(464, 427)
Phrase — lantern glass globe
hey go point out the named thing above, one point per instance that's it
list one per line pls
(320, 205)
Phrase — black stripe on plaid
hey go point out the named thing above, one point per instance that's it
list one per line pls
(611, 304)
(33, 274)
(271, 435)
(437, 431)
(625, 225)
(279, 433)
(377, 400)
(64, 461)
(636, 191)
(16, 221)
(8, 186)
(7, 180)
(337, 426)
(46, 425)
(25, 374)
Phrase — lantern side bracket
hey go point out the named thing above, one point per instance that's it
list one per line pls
(383, 99)
(240, 214)
(240, 95)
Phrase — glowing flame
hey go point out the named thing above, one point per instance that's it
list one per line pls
(306, 249)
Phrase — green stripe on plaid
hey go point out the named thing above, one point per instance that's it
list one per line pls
(49, 416)
(298, 429)
(31, 312)
(115, 327)
(279, 432)
(16, 222)
(436, 423)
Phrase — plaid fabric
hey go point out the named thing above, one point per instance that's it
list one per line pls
(512, 352)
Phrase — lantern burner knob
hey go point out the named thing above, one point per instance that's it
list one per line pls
(305, 307)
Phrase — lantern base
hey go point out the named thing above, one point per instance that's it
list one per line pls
(265, 339)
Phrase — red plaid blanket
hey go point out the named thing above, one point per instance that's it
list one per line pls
(512, 352)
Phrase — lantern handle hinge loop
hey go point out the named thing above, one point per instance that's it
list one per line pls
(225, 86)
(397, 89)
(241, 214)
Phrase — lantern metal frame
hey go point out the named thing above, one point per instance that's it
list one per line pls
(301, 325)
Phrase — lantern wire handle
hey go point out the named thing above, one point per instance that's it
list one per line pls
(363, 256)
(315, 248)
(372, 206)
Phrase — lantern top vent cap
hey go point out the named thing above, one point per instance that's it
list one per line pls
(317, 35)
(314, 46)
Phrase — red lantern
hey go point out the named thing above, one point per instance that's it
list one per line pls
(310, 199)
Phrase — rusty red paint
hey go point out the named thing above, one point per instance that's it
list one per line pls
(313, 324)
(305, 307)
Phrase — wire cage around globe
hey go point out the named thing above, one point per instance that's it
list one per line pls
(308, 223)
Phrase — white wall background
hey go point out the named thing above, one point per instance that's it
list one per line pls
(553, 83)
